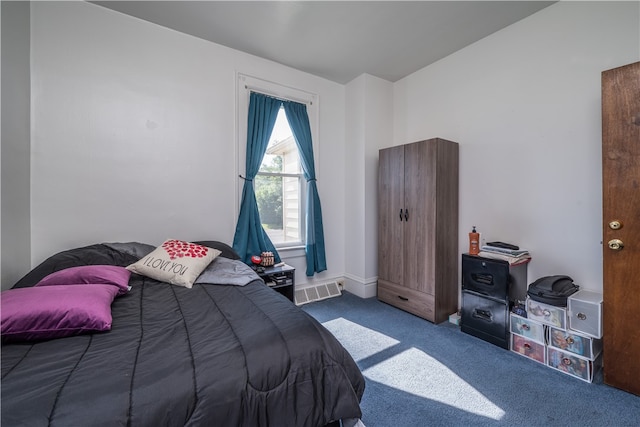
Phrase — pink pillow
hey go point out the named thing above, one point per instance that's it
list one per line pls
(55, 311)
(90, 274)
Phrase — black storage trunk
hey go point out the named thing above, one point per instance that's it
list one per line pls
(485, 318)
(494, 278)
(489, 288)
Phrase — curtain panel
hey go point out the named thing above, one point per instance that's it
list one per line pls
(250, 238)
(314, 232)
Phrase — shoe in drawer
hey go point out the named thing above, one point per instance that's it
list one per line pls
(528, 348)
(527, 328)
(575, 343)
(571, 364)
(547, 314)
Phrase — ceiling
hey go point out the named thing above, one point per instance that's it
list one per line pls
(337, 40)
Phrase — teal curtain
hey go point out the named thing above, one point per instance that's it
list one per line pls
(250, 238)
(314, 233)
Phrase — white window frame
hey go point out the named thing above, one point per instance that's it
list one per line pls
(247, 84)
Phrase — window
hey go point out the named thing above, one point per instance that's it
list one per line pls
(280, 186)
(279, 189)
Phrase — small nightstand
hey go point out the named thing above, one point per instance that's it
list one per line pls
(280, 279)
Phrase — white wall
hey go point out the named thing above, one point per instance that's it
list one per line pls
(134, 135)
(15, 142)
(120, 106)
(354, 197)
(369, 127)
(524, 104)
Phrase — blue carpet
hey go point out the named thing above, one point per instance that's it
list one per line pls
(421, 374)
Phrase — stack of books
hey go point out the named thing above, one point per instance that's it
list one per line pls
(506, 252)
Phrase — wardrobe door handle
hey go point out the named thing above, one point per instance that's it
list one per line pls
(406, 214)
(400, 214)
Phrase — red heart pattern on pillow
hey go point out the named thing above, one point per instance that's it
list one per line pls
(179, 249)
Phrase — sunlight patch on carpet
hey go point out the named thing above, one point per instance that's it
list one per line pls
(415, 372)
(359, 341)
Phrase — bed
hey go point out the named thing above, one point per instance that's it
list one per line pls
(221, 353)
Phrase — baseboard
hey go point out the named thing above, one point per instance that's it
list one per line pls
(363, 288)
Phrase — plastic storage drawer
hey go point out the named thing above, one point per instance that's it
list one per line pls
(587, 347)
(528, 348)
(571, 364)
(527, 328)
(585, 313)
(547, 314)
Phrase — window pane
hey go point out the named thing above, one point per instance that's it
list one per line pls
(279, 197)
(282, 152)
(291, 209)
(279, 206)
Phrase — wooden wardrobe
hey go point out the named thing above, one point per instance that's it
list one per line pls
(621, 228)
(418, 228)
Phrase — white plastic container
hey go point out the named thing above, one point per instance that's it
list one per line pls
(585, 313)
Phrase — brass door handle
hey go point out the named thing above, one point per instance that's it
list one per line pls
(616, 244)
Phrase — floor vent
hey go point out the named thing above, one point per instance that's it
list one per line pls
(317, 293)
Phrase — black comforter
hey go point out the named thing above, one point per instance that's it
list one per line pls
(214, 355)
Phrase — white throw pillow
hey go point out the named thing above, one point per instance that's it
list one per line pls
(176, 262)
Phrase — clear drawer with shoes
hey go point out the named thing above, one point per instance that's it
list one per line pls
(572, 364)
(547, 314)
(527, 328)
(574, 342)
(528, 348)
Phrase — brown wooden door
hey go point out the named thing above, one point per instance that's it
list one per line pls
(420, 224)
(621, 202)
(391, 224)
